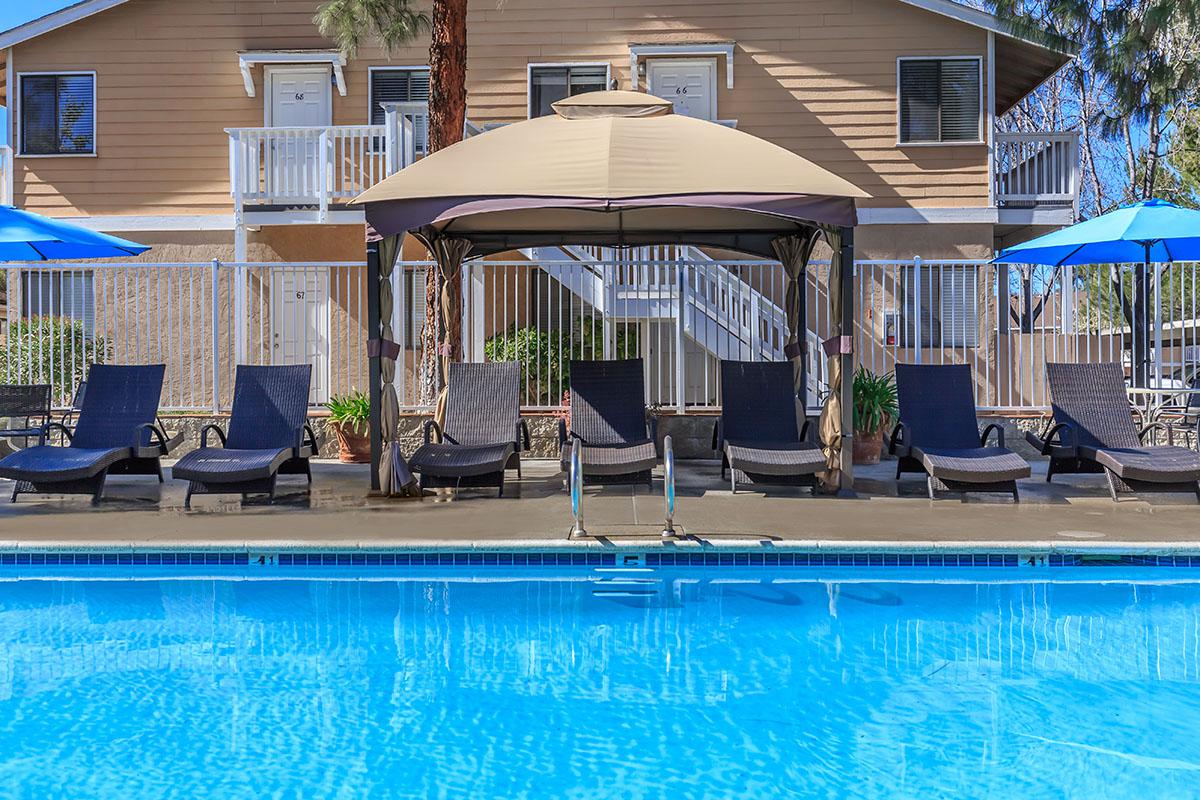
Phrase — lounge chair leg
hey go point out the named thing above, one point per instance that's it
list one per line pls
(187, 499)
(1016, 495)
(308, 471)
(158, 469)
(500, 486)
(1112, 483)
(929, 487)
(1050, 471)
(16, 491)
(899, 464)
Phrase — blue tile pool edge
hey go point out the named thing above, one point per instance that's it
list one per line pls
(548, 558)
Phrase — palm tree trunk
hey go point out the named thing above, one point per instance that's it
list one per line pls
(447, 115)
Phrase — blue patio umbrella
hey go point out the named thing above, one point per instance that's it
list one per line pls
(25, 236)
(1148, 232)
(1144, 233)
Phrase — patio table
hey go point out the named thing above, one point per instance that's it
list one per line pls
(1157, 402)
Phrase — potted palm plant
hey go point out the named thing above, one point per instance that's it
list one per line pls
(350, 415)
(875, 407)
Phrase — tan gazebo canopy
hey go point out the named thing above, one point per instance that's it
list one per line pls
(619, 169)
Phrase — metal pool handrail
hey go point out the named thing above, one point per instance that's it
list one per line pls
(576, 480)
(668, 530)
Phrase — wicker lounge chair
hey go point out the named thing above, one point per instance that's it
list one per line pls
(115, 433)
(757, 433)
(483, 431)
(608, 417)
(1093, 431)
(938, 434)
(268, 436)
(26, 410)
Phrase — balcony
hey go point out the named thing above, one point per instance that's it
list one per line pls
(1036, 170)
(316, 169)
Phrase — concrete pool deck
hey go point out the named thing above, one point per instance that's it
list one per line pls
(1071, 515)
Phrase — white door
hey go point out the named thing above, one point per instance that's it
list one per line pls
(297, 97)
(300, 323)
(689, 83)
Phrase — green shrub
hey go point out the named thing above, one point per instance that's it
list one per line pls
(875, 401)
(54, 350)
(545, 356)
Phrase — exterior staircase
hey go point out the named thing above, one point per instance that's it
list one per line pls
(724, 316)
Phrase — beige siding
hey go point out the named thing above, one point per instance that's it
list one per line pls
(816, 76)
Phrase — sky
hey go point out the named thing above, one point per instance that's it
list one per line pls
(15, 12)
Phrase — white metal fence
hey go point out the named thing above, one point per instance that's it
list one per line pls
(680, 316)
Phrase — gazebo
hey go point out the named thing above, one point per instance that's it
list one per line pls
(614, 168)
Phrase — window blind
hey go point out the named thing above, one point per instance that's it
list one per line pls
(58, 114)
(939, 100)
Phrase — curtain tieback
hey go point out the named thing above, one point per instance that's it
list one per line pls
(838, 344)
(383, 347)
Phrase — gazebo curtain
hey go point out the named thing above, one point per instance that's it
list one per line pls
(838, 354)
(389, 412)
(449, 253)
(793, 253)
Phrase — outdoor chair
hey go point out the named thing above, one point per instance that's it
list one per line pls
(25, 410)
(115, 434)
(938, 434)
(608, 417)
(1183, 418)
(268, 436)
(483, 432)
(1093, 431)
(757, 433)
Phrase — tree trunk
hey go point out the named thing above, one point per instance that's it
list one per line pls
(447, 115)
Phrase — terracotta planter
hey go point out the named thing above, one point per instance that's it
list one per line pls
(353, 447)
(868, 447)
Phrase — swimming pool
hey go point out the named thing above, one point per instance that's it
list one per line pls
(601, 682)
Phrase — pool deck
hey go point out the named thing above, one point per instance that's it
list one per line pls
(1074, 514)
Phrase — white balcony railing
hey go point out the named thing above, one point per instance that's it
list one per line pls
(1036, 169)
(6, 175)
(320, 166)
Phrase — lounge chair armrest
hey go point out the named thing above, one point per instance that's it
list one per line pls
(309, 439)
(1062, 435)
(994, 426)
(562, 432)
(214, 428)
(1157, 425)
(716, 437)
(155, 433)
(430, 426)
(49, 426)
(523, 435)
(899, 438)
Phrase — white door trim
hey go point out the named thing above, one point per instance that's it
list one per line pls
(269, 73)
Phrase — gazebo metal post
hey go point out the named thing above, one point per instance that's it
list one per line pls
(802, 339)
(374, 377)
(846, 264)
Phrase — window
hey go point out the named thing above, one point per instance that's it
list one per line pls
(548, 85)
(58, 115)
(940, 100)
(59, 293)
(401, 85)
(941, 303)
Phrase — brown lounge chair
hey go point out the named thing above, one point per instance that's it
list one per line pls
(757, 433)
(938, 434)
(1093, 431)
(608, 417)
(483, 431)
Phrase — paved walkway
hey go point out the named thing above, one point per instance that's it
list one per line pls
(1074, 513)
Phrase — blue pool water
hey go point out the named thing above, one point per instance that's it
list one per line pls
(589, 684)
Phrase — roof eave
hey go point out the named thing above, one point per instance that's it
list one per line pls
(55, 20)
(990, 22)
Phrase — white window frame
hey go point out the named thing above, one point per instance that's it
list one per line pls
(529, 68)
(17, 111)
(269, 73)
(982, 111)
(385, 68)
